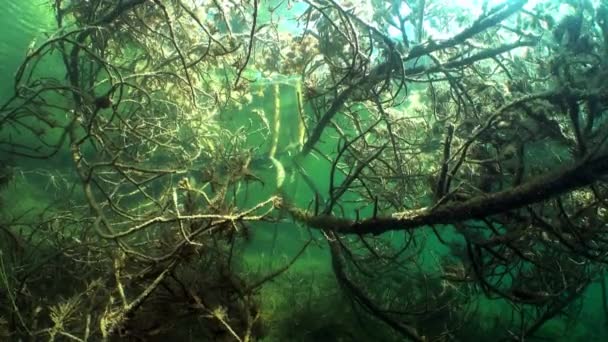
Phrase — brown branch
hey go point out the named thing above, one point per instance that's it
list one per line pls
(442, 180)
(580, 174)
(479, 56)
(360, 296)
(73, 67)
(181, 55)
(250, 47)
(380, 72)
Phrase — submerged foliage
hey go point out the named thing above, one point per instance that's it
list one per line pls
(431, 158)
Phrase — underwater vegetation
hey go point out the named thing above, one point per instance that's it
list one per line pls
(315, 170)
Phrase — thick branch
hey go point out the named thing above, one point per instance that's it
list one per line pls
(581, 174)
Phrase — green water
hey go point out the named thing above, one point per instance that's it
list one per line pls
(23, 22)
(47, 204)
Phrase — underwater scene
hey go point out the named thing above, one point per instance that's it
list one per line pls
(303, 170)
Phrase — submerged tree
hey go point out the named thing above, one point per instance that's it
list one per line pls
(484, 132)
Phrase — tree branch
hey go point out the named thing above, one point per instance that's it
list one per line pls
(542, 188)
